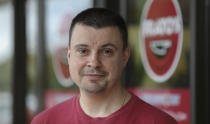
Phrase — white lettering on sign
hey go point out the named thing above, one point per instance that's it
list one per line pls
(162, 99)
(179, 116)
(162, 26)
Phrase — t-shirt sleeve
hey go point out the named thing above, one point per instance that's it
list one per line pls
(165, 119)
(168, 121)
(38, 120)
(152, 115)
(34, 121)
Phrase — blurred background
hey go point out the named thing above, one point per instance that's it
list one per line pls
(34, 71)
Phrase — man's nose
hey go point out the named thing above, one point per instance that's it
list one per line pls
(94, 60)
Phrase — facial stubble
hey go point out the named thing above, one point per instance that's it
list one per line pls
(93, 86)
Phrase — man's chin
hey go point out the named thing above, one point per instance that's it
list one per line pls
(94, 89)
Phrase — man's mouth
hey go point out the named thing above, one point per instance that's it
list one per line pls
(94, 76)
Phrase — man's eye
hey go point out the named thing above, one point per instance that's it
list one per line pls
(108, 52)
(82, 51)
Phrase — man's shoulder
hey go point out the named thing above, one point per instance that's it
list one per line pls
(151, 113)
(54, 112)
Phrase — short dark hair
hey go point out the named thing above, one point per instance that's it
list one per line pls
(99, 18)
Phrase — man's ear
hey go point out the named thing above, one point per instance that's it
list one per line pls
(68, 54)
(126, 55)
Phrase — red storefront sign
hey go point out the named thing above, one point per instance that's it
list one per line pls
(161, 38)
(61, 67)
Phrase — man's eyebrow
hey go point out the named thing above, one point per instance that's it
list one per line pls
(80, 45)
(109, 44)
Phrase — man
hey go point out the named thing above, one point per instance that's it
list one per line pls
(98, 52)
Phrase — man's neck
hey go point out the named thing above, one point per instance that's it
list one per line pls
(103, 104)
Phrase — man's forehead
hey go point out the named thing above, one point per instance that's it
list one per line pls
(87, 35)
(77, 45)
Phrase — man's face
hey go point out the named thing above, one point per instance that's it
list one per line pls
(96, 57)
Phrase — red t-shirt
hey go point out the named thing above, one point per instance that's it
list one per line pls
(135, 111)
